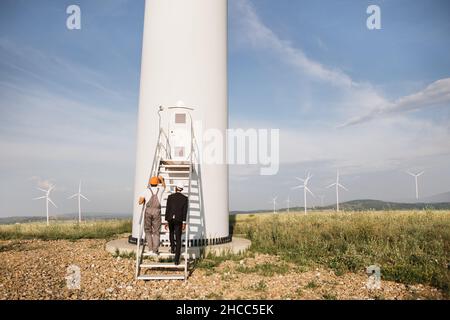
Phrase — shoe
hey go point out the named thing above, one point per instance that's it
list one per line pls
(172, 250)
(177, 262)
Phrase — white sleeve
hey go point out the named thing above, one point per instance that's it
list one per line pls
(161, 192)
(144, 194)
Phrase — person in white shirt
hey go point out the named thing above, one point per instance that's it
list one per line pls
(151, 198)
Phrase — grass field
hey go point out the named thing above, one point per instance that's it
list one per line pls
(102, 229)
(409, 247)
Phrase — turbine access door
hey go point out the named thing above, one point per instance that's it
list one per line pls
(180, 135)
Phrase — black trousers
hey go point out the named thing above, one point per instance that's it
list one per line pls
(175, 231)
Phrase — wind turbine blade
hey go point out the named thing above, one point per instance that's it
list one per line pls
(50, 200)
(340, 185)
(84, 197)
(297, 187)
(51, 188)
(307, 189)
(300, 179)
(39, 198)
(73, 196)
(410, 173)
(331, 185)
(42, 189)
(421, 173)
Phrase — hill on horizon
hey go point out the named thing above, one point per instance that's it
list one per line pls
(438, 198)
(365, 205)
(65, 217)
(353, 205)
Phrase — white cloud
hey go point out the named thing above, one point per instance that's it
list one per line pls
(42, 183)
(51, 128)
(260, 36)
(358, 97)
(58, 73)
(437, 93)
(388, 144)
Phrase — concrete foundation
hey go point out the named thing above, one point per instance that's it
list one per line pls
(236, 246)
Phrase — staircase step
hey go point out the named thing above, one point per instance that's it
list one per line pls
(169, 173)
(161, 277)
(175, 163)
(181, 166)
(164, 255)
(178, 172)
(171, 170)
(162, 265)
(174, 184)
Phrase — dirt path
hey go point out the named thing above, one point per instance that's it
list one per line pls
(37, 269)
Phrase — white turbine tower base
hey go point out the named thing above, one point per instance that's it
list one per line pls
(305, 188)
(184, 56)
(415, 179)
(79, 195)
(47, 200)
(337, 185)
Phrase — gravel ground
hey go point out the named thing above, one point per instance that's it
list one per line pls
(36, 269)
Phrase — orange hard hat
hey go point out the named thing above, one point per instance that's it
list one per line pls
(154, 181)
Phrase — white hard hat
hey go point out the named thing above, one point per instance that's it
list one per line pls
(180, 186)
(180, 104)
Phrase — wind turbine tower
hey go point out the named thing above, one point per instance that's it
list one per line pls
(337, 185)
(415, 179)
(321, 196)
(304, 185)
(184, 57)
(288, 201)
(79, 195)
(274, 201)
(47, 199)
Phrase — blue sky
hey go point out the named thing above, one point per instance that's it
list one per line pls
(369, 103)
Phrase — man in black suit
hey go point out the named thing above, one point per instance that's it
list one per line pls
(176, 211)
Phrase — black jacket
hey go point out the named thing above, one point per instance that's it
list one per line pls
(177, 204)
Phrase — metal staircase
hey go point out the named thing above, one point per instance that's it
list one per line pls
(173, 171)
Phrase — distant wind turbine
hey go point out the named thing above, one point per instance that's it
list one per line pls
(288, 201)
(274, 201)
(79, 195)
(415, 178)
(47, 199)
(305, 188)
(321, 196)
(337, 185)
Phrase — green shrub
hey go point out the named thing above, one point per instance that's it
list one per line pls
(409, 247)
(65, 230)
